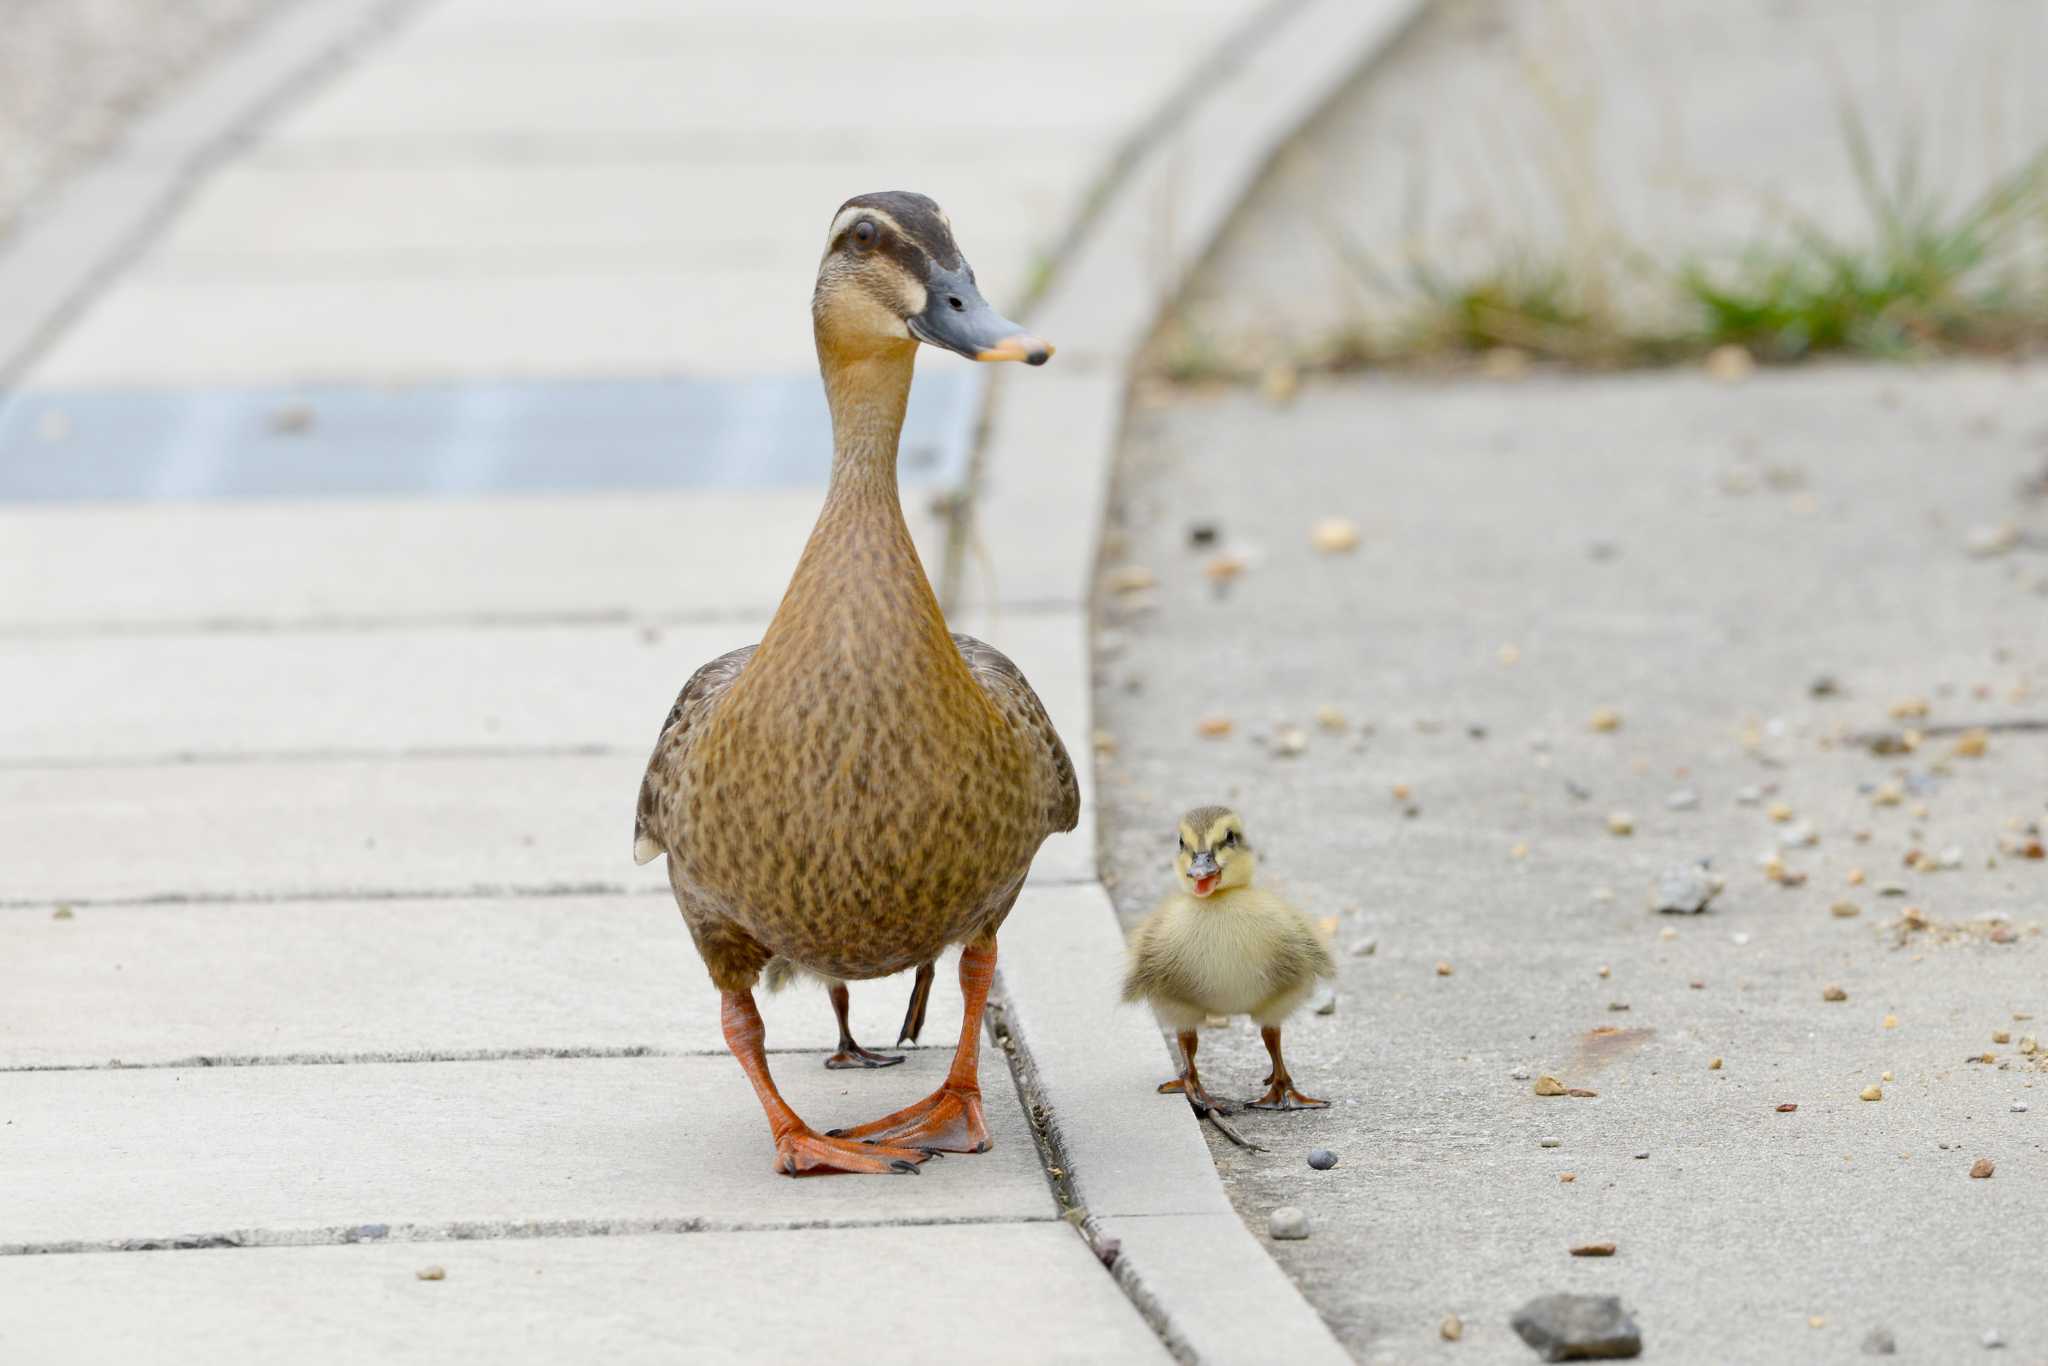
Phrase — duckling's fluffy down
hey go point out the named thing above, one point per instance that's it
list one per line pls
(1240, 952)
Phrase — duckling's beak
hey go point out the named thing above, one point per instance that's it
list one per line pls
(959, 319)
(1205, 872)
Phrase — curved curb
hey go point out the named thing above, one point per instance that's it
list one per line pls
(103, 216)
(1134, 1166)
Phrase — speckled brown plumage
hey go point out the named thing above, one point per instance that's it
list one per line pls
(862, 788)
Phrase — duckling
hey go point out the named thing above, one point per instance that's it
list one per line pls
(1219, 946)
(780, 972)
(862, 789)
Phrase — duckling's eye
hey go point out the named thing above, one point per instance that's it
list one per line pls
(1231, 838)
(1184, 847)
(864, 234)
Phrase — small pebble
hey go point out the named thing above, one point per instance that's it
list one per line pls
(1643, 1155)
(1547, 1085)
(1287, 1223)
(1981, 1169)
(1714, 1065)
(1872, 1092)
(1452, 1328)
(1333, 536)
(1291, 741)
(1604, 720)
(1748, 796)
(1620, 823)
(1214, 727)
(1833, 993)
(432, 1273)
(1593, 1250)
(2019, 1107)
(1879, 1342)
(1322, 1159)
(1365, 948)
(1844, 910)
(1992, 1338)
(1443, 969)
(1549, 1142)
(1684, 799)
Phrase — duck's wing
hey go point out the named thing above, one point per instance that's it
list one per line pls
(661, 790)
(1007, 687)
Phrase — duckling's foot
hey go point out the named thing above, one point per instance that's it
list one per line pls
(1197, 1096)
(949, 1120)
(851, 1054)
(1282, 1096)
(805, 1152)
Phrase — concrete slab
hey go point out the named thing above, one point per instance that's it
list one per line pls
(396, 979)
(303, 564)
(635, 1299)
(467, 1149)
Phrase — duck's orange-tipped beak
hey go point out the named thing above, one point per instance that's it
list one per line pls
(1019, 346)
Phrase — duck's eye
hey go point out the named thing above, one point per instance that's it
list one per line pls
(864, 234)
(1231, 838)
(1184, 847)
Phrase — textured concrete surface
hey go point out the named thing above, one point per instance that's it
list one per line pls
(629, 1299)
(1694, 556)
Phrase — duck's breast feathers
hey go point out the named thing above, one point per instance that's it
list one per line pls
(1005, 685)
(662, 789)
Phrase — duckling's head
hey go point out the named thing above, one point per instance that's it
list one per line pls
(892, 276)
(1214, 854)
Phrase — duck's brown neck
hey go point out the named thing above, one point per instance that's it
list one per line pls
(860, 566)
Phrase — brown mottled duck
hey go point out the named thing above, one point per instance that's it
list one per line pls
(1219, 946)
(862, 788)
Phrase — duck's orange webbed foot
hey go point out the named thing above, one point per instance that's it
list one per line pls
(949, 1120)
(1197, 1096)
(805, 1152)
(1281, 1095)
(852, 1054)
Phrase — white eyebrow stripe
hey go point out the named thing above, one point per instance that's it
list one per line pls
(847, 217)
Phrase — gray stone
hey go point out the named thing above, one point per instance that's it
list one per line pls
(1685, 890)
(1322, 1159)
(1684, 799)
(1879, 1342)
(1992, 1338)
(1578, 1328)
(1287, 1223)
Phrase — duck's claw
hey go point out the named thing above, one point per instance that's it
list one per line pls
(802, 1152)
(1283, 1096)
(949, 1120)
(853, 1055)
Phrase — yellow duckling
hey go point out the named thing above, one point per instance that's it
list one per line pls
(1219, 946)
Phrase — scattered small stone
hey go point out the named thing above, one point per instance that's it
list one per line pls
(1519, 849)
(1620, 823)
(1981, 1169)
(1214, 727)
(1221, 569)
(1547, 1085)
(1291, 740)
(2001, 1036)
(1749, 796)
(2019, 1107)
(1452, 1328)
(1971, 744)
(1548, 1142)
(432, 1273)
(1854, 877)
(1833, 993)
(1577, 1327)
(1643, 1156)
(1879, 1342)
(63, 913)
(1684, 799)
(1907, 708)
(1322, 1159)
(1713, 1064)
(1789, 1107)
(1730, 363)
(1443, 969)
(1581, 1093)
(1798, 835)
(1604, 720)
(1872, 1092)
(1891, 889)
(1510, 654)
(1566, 1178)
(1884, 1076)
(1333, 536)
(1686, 889)
(1986, 541)
(1365, 948)
(1816, 1321)
(1331, 719)
(1845, 910)
(1287, 1223)
(1992, 1339)
(1778, 811)
(1825, 685)
(1593, 1250)
(1891, 1022)
(1617, 1005)
(1204, 533)
(1520, 1074)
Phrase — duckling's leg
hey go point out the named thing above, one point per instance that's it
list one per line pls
(1189, 1082)
(799, 1149)
(851, 1054)
(950, 1118)
(1281, 1095)
(920, 994)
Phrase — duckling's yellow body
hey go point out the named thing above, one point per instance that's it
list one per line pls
(862, 789)
(1219, 946)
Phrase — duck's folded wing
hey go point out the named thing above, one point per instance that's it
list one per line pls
(1006, 686)
(661, 790)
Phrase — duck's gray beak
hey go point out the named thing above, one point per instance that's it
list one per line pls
(1202, 865)
(958, 318)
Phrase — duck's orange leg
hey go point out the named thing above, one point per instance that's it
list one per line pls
(1280, 1093)
(950, 1118)
(1189, 1082)
(799, 1149)
(851, 1054)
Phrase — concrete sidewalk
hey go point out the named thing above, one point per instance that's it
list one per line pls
(322, 961)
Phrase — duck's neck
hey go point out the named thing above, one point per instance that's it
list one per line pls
(860, 578)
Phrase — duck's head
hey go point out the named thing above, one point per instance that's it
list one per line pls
(1214, 854)
(893, 276)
